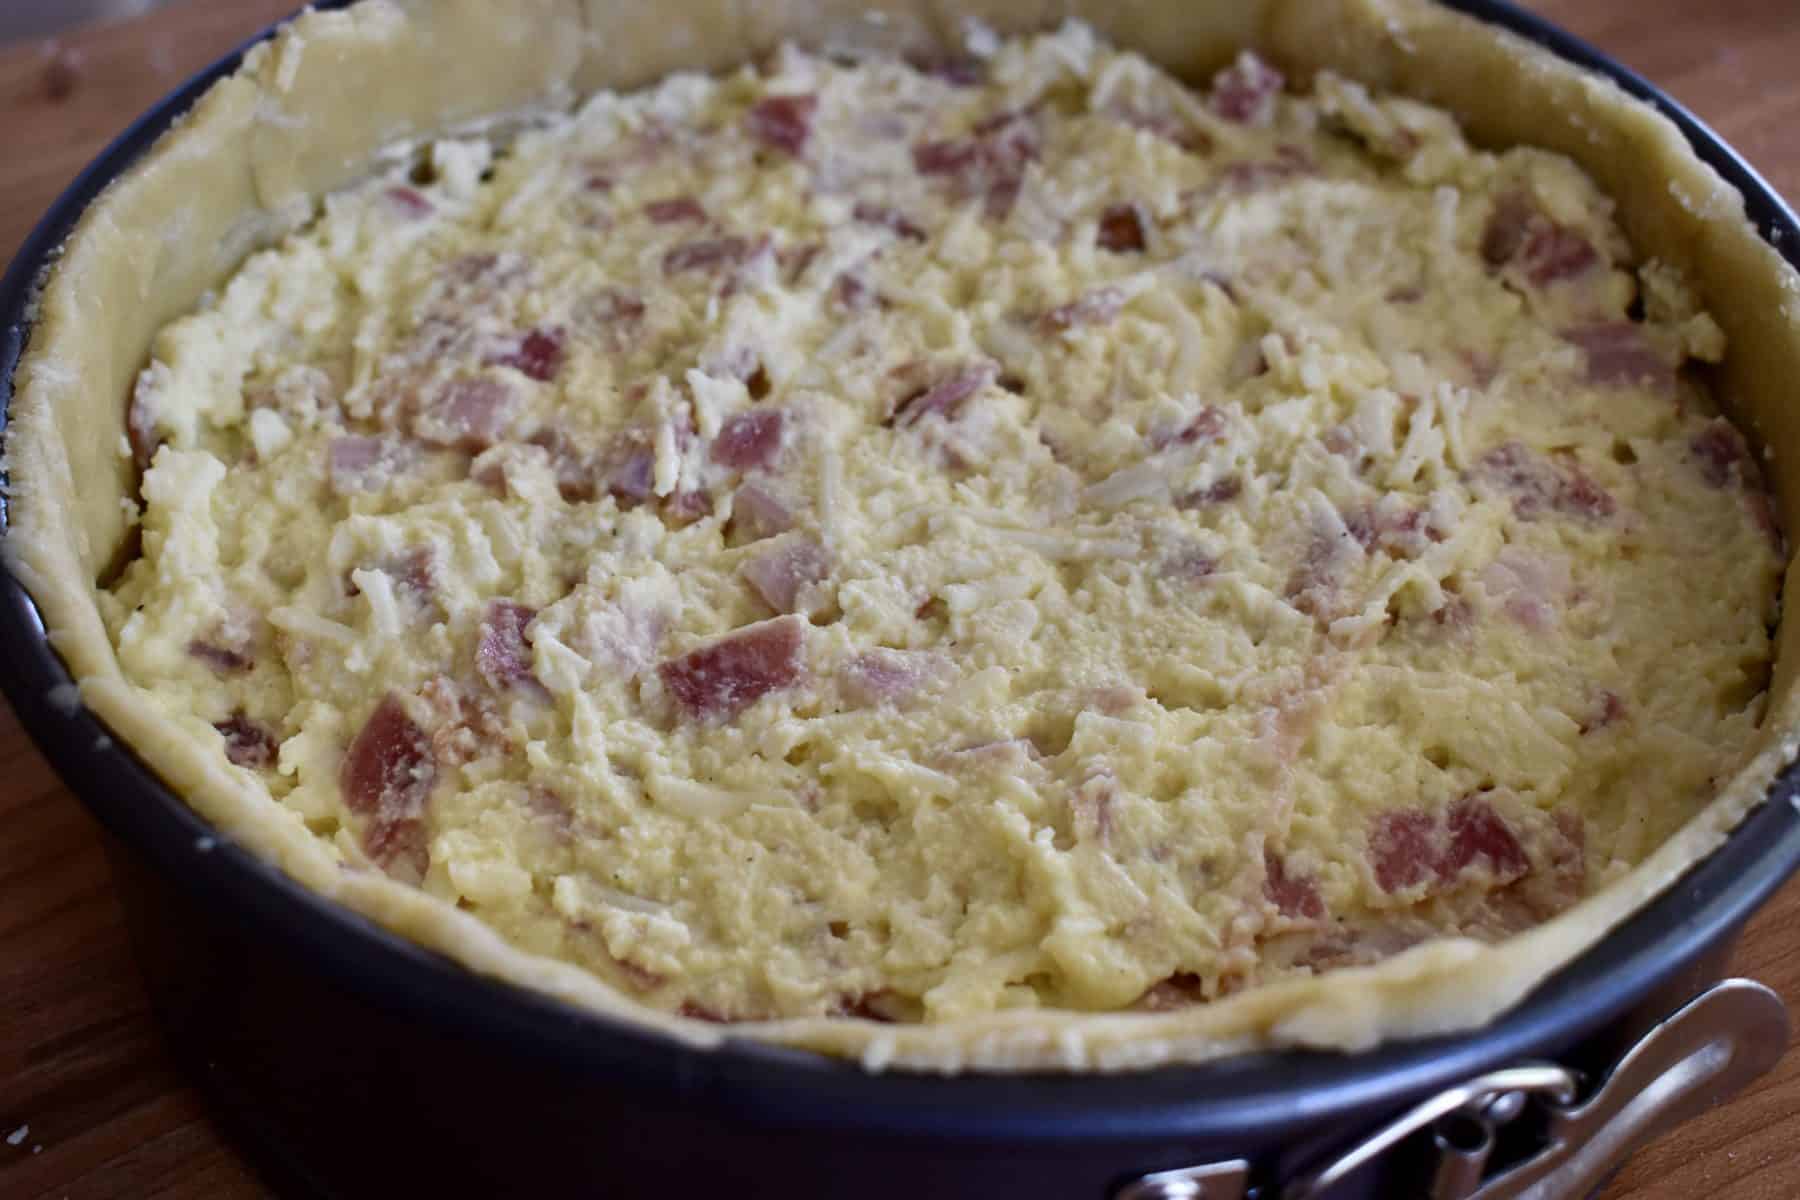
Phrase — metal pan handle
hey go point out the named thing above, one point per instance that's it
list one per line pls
(1704, 1053)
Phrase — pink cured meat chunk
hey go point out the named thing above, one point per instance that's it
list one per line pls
(1410, 848)
(1121, 229)
(782, 122)
(782, 573)
(1206, 425)
(887, 218)
(364, 464)
(1479, 834)
(1518, 232)
(720, 680)
(944, 397)
(386, 777)
(1403, 849)
(538, 355)
(1295, 895)
(1245, 91)
(1619, 355)
(1220, 491)
(409, 203)
(503, 654)
(223, 660)
(674, 210)
(990, 162)
(884, 676)
(749, 439)
(757, 513)
(706, 254)
(469, 414)
(1538, 486)
(247, 744)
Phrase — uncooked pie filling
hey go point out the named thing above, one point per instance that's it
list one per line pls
(911, 540)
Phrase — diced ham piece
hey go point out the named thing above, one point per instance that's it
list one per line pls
(1245, 91)
(467, 414)
(1719, 451)
(1293, 894)
(1619, 355)
(757, 513)
(538, 355)
(707, 254)
(1095, 308)
(409, 203)
(891, 219)
(365, 464)
(633, 480)
(1219, 491)
(1538, 486)
(1403, 849)
(1411, 847)
(782, 573)
(675, 210)
(503, 654)
(1507, 227)
(247, 744)
(883, 676)
(687, 506)
(222, 659)
(990, 162)
(1121, 229)
(1518, 232)
(852, 292)
(782, 122)
(944, 397)
(386, 778)
(946, 157)
(957, 70)
(1556, 252)
(723, 678)
(749, 439)
(794, 261)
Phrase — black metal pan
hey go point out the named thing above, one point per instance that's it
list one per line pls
(350, 1062)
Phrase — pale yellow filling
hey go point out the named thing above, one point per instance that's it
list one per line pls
(1243, 540)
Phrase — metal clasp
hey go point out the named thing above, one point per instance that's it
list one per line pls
(1704, 1053)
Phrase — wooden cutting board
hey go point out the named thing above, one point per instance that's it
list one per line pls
(90, 1105)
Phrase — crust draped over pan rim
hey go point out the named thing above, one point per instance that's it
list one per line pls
(248, 163)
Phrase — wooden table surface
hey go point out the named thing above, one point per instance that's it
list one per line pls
(91, 1106)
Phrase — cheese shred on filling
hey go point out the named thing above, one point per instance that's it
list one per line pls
(910, 541)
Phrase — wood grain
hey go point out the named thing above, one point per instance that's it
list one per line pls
(82, 1072)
